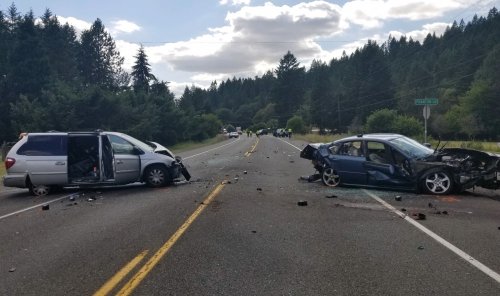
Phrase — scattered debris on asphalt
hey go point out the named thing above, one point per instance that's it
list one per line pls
(45, 207)
(331, 196)
(418, 216)
(12, 269)
(420, 247)
(245, 172)
(259, 189)
(398, 198)
(72, 198)
(310, 178)
(302, 203)
(254, 231)
(403, 210)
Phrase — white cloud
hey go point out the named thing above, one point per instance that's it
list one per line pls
(123, 26)
(372, 13)
(419, 35)
(234, 2)
(79, 25)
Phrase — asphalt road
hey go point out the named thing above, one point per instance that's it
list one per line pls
(237, 229)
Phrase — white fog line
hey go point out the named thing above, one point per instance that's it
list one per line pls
(212, 149)
(290, 144)
(439, 239)
(36, 206)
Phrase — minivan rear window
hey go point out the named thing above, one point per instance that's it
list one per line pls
(44, 145)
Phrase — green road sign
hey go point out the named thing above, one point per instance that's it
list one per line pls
(427, 101)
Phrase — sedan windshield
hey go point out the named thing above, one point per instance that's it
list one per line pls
(411, 147)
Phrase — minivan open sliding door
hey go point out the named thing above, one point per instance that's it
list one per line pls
(84, 158)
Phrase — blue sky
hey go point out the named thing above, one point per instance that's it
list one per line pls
(192, 42)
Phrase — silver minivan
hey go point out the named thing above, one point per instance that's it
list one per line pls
(41, 161)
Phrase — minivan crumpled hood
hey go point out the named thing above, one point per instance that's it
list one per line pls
(162, 150)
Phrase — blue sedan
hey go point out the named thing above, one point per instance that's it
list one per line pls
(396, 161)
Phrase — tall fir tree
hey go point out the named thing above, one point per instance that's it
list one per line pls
(141, 72)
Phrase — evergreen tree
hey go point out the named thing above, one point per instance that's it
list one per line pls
(141, 72)
(100, 63)
(289, 88)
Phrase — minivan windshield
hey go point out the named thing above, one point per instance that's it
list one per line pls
(411, 147)
(141, 145)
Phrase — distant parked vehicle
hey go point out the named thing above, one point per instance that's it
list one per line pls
(233, 135)
(41, 161)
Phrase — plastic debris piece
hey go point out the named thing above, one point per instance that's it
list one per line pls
(398, 198)
(331, 196)
(419, 216)
(254, 231)
(245, 172)
(45, 207)
(259, 189)
(302, 203)
(72, 198)
(12, 269)
(403, 210)
(420, 247)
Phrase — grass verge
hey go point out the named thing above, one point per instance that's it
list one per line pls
(184, 146)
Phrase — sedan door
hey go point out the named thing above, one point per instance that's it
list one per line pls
(349, 163)
(382, 168)
(127, 161)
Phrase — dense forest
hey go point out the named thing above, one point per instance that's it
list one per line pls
(52, 79)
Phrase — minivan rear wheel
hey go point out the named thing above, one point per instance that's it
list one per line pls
(156, 176)
(39, 190)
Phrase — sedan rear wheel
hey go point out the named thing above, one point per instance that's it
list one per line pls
(438, 183)
(157, 176)
(330, 177)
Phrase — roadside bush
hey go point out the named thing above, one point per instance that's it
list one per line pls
(388, 121)
(296, 124)
(381, 121)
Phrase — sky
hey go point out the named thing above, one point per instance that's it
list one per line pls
(196, 42)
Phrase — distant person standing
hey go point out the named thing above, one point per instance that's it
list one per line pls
(289, 133)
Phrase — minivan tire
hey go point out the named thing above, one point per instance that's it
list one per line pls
(156, 176)
(39, 190)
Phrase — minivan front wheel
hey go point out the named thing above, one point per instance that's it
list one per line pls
(156, 176)
(39, 190)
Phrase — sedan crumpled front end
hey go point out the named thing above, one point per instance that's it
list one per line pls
(470, 167)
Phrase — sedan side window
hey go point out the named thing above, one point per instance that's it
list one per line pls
(353, 148)
(377, 152)
(121, 146)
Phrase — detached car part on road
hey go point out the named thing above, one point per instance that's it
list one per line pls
(395, 161)
(41, 161)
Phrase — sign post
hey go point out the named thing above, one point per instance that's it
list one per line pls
(426, 111)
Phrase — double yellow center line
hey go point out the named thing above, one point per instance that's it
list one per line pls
(248, 153)
(129, 287)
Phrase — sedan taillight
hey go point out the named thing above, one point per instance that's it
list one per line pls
(9, 162)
